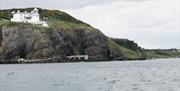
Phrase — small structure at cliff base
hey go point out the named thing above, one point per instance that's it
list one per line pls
(32, 17)
(77, 57)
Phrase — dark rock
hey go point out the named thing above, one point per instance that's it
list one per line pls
(25, 41)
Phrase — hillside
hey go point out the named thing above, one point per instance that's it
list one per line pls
(147, 53)
(65, 36)
(161, 53)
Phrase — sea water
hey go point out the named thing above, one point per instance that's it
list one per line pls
(148, 75)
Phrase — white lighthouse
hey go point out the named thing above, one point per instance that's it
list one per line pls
(32, 17)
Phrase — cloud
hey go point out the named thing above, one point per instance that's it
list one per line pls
(152, 23)
(56, 4)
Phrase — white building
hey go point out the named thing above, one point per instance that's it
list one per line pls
(78, 57)
(32, 17)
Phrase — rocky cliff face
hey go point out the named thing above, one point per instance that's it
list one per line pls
(65, 36)
(24, 41)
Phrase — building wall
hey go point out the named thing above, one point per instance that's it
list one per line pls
(32, 17)
(21, 17)
(17, 17)
(79, 57)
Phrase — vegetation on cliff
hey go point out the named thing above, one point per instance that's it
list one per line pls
(162, 53)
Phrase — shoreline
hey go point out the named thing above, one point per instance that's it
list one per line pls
(15, 62)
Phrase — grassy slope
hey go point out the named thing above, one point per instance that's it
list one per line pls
(158, 53)
(3, 21)
(55, 18)
(162, 53)
(130, 48)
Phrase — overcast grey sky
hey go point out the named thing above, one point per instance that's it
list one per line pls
(151, 23)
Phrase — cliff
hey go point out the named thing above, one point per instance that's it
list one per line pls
(65, 36)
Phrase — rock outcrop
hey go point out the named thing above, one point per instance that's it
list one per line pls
(24, 41)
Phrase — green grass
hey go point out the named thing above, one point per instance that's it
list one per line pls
(161, 54)
(60, 16)
(3, 21)
(126, 53)
(129, 44)
(129, 54)
(68, 25)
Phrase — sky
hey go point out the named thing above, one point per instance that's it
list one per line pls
(150, 23)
